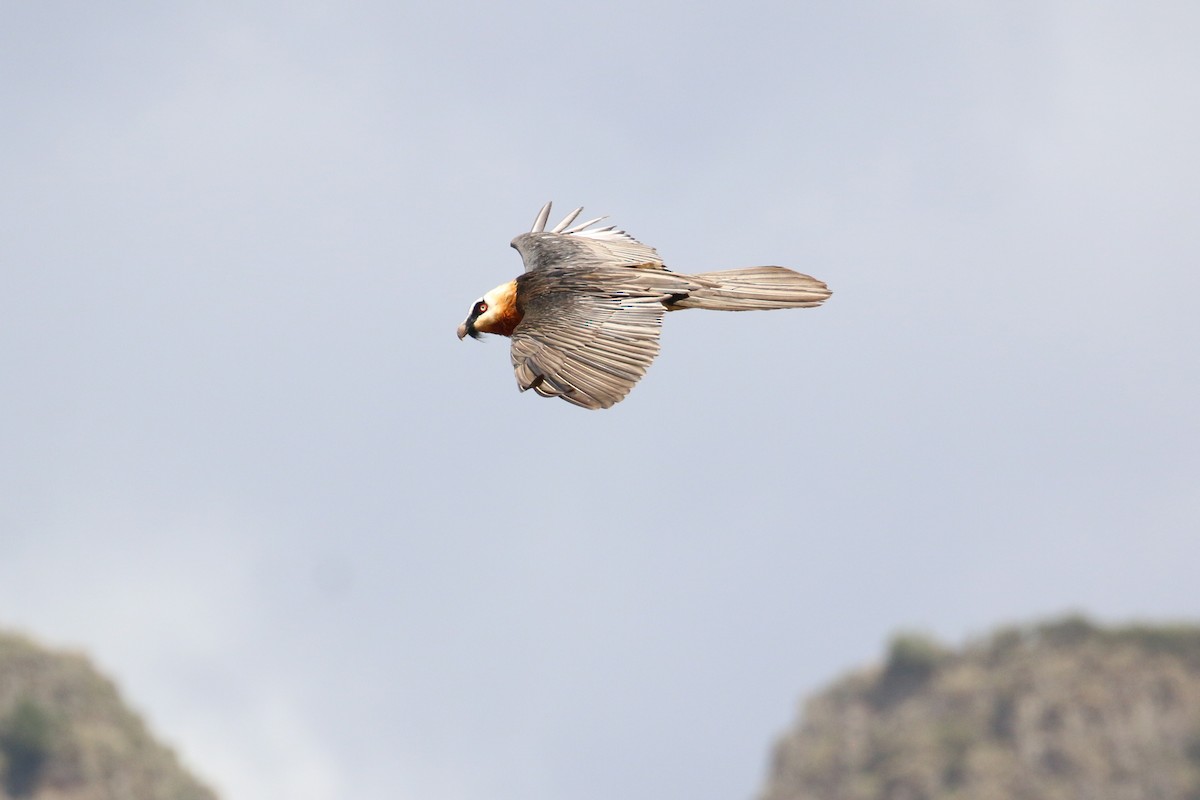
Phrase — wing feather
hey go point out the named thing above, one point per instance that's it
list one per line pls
(582, 245)
(567, 220)
(539, 224)
(585, 341)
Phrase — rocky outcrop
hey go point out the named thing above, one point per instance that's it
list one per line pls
(65, 734)
(1060, 711)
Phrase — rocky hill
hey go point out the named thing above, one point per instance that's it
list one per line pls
(1065, 710)
(66, 735)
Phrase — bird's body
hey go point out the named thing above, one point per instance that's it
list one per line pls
(586, 314)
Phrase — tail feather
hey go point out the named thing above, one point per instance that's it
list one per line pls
(753, 288)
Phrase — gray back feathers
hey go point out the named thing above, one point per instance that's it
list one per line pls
(582, 245)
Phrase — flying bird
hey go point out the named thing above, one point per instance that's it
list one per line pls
(585, 315)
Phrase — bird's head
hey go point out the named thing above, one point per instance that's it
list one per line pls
(467, 328)
(495, 312)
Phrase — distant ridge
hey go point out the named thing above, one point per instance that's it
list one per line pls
(1057, 711)
(65, 734)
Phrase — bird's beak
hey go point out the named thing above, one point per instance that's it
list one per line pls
(468, 329)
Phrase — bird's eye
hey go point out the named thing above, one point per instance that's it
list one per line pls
(480, 307)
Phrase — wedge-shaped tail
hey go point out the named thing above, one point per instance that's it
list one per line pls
(753, 289)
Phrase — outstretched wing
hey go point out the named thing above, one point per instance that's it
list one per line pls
(582, 245)
(584, 342)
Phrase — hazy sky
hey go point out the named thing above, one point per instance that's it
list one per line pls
(329, 551)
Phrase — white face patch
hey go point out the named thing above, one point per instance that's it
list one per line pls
(483, 311)
(495, 300)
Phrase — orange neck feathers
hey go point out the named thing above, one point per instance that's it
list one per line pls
(503, 314)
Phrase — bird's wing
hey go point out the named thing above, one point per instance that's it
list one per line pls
(586, 344)
(582, 245)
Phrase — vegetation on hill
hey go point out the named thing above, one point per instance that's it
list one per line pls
(66, 735)
(1058, 711)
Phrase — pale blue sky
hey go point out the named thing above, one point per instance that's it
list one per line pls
(331, 552)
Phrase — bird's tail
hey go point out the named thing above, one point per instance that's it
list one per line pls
(753, 288)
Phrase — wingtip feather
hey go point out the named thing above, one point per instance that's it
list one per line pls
(539, 224)
(567, 220)
(584, 225)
